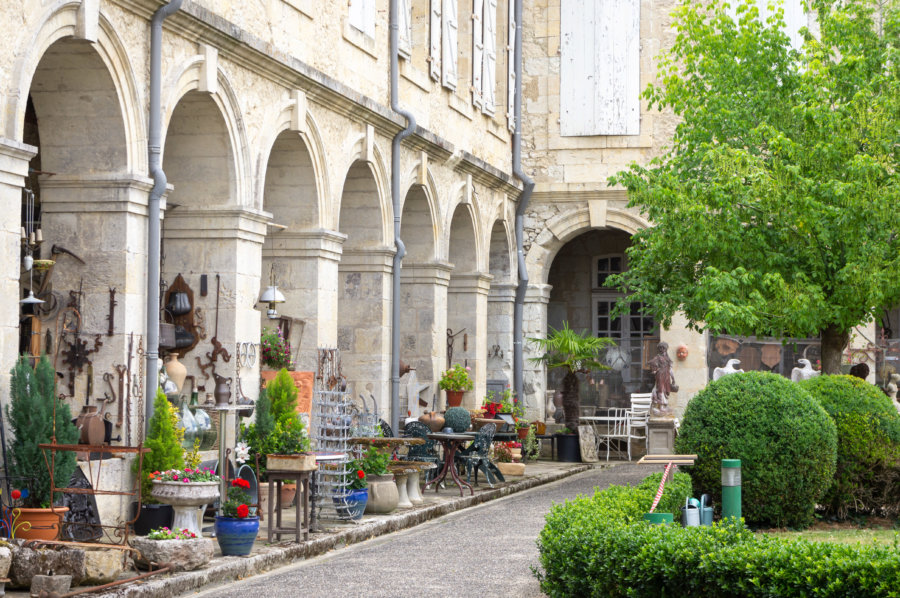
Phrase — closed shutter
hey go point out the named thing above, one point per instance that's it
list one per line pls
(489, 67)
(600, 67)
(449, 44)
(511, 67)
(362, 16)
(434, 56)
(405, 34)
(477, 51)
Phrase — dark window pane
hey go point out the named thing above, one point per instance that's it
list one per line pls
(635, 326)
(603, 265)
(635, 308)
(616, 324)
(615, 264)
(601, 279)
(602, 307)
(602, 324)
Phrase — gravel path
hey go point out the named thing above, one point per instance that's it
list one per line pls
(486, 550)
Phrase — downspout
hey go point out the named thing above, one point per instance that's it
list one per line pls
(524, 198)
(395, 195)
(159, 187)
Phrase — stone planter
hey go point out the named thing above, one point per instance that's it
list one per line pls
(508, 469)
(185, 499)
(182, 555)
(301, 462)
(383, 494)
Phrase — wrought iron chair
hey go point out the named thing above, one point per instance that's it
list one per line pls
(386, 430)
(423, 452)
(477, 456)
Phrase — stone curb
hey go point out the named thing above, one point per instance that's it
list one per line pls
(280, 555)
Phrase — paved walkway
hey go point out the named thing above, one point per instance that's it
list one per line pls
(485, 550)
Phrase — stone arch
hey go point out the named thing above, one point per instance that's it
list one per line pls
(463, 249)
(375, 167)
(564, 227)
(501, 255)
(60, 22)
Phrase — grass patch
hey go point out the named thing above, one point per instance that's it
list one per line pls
(882, 537)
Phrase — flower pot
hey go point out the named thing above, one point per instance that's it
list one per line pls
(434, 421)
(185, 498)
(522, 433)
(42, 524)
(236, 535)
(508, 469)
(568, 450)
(152, 517)
(383, 495)
(288, 492)
(351, 505)
(454, 398)
(301, 462)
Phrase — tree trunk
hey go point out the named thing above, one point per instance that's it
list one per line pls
(834, 341)
(571, 401)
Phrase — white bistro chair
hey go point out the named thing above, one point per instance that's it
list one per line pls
(639, 415)
(615, 430)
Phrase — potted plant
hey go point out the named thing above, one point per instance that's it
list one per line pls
(36, 417)
(164, 438)
(351, 503)
(182, 549)
(503, 458)
(236, 529)
(456, 381)
(185, 489)
(275, 350)
(576, 354)
(383, 494)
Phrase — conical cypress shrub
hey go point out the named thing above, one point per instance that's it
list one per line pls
(164, 443)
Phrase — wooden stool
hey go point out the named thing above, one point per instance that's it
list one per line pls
(301, 526)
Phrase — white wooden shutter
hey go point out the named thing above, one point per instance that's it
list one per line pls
(449, 44)
(434, 56)
(600, 67)
(511, 66)
(477, 51)
(362, 16)
(489, 67)
(405, 36)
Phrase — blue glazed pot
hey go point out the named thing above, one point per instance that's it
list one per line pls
(352, 504)
(236, 536)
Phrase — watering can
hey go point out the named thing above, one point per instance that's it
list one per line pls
(706, 510)
(690, 513)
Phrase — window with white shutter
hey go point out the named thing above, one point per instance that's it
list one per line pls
(362, 16)
(449, 44)
(600, 67)
(511, 66)
(477, 51)
(489, 64)
(434, 55)
(405, 34)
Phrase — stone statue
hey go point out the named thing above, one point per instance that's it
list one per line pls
(661, 366)
(892, 385)
(728, 369)
(803, 373)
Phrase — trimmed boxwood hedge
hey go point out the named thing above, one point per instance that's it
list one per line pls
(786, 442)
(867, 479)
(596, 546)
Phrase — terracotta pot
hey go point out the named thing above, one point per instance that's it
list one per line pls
(434, 420)
(522, 432)
(263, 493)
(43, 524)
(288, 491)
(91, 426)
(454, 398)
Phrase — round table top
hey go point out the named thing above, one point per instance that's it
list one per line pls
(446, 436)
(408, 466)
(385, 442)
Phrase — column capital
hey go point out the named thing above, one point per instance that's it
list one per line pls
(379, 259)
(83, 194)
(472, 282)
(502, 292)
(426, 273)
(14, 157)
(318, 243)
(538, 293)
(217, 222)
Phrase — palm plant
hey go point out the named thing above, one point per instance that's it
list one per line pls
(577, 354)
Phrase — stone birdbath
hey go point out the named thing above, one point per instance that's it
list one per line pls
(406, 475)
(185, 500)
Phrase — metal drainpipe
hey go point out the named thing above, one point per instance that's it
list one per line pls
(395, 195)
(159, 187)
(524, 198)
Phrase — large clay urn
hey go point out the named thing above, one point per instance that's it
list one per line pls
(434, 420)
(176, 370)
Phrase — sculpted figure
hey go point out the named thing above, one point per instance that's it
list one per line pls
(661, 366)
(803, 373)
(728, 369)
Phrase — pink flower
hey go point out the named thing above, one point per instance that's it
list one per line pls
(188, 470)
(186, 481)
(175, 477)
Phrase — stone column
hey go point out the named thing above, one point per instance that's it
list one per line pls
(467, 309)
(364, 300)
(423, 320)
(534, 318)
(14, 157)
(501, 304)
(306, 271)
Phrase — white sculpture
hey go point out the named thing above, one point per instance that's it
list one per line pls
(891, 387)
(413, 391)
(728, 369)
(804, 373)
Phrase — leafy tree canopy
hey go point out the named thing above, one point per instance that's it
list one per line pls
(776, 205)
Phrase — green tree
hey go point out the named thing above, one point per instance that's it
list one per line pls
(576, 354)
(775, 205)
(164, 442)
(36, 417)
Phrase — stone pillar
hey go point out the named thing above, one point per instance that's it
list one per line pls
(537, 296)
(306, 271)
(467, 309)
(14, 157)
(501, 304)
(364, 312)
(103, 220)
(423, 320)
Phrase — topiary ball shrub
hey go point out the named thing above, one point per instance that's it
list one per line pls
(786, 441)
(867, 479)
(458, 418)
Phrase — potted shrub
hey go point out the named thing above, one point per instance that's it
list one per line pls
(185, 489)
(182, 549)
(383, 494)
(275, 350)
(576, 354)
(351, 503)
(35, 418)
(236, 529)
(456, 381)
(164, 442)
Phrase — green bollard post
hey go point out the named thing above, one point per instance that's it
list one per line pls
(731, 488)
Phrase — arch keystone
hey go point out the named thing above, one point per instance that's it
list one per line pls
(209, 69)
(298, 111)
(87, 24)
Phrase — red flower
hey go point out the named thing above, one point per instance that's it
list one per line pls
(240, 483)
(16, 494)
(360, 474)
(243, 511)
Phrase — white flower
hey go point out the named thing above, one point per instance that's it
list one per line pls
(241, 452)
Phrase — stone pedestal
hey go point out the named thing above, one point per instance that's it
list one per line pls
(661, 436)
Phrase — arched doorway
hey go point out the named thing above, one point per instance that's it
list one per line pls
(501, 303)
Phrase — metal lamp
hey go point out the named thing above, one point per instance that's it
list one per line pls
(272, 296)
